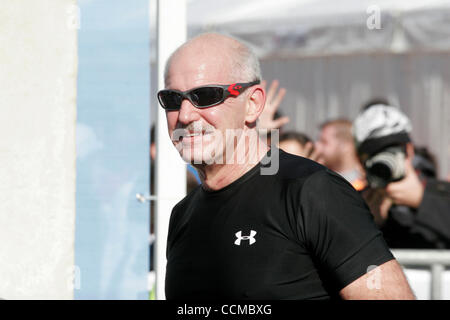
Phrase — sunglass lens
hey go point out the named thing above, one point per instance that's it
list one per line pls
(207, 96)
(170, 100)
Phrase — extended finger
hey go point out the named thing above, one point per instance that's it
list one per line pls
(280, 96)
(278, 123)
(272, 89)
(393, 189)
(263, 84)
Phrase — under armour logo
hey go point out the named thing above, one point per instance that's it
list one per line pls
(239, 237)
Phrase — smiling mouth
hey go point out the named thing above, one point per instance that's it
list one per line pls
(193, 135)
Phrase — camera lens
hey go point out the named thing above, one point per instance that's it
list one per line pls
(385, 167)
(382, 170)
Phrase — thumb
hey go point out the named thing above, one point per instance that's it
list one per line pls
(280, 122)
(409, 168)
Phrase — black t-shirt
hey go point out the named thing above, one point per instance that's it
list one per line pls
(302, 233)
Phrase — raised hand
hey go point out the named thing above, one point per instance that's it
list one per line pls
(408, 191)
(273, 101)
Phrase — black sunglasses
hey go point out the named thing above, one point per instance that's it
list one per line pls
(202, 97)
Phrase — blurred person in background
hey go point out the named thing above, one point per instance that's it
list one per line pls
(299, 144)
(336, 150)
(412, 209)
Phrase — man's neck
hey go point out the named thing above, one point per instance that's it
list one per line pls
(349, 165)
(218, 176)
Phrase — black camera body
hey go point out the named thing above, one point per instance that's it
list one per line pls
(385, 166)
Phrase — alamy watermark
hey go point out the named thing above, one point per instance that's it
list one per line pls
(373, 21)
(374, 278)
(73, 278)
(73, 17)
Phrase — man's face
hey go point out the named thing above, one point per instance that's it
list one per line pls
(199, 134)
(328, 147)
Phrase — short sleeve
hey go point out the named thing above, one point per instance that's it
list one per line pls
(339, 229)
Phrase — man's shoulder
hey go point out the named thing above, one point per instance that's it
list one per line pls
(187, 200)
(296, 167)
(316, 178)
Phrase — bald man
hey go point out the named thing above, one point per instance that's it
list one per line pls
(264, 224)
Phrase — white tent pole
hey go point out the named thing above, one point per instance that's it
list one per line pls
(170, 169)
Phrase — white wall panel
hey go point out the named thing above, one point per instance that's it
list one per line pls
(38, 68)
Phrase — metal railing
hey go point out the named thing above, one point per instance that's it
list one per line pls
(435, 260)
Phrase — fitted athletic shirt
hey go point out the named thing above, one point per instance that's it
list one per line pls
(302, 233)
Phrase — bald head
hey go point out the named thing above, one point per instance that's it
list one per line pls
(237, 58)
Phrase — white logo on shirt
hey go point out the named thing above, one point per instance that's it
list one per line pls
(239, 237)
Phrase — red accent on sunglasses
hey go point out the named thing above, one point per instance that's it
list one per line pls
(232, 89)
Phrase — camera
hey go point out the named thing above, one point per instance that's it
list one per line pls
(381, 134)
(385, 166)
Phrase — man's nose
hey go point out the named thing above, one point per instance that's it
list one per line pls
(188, 113)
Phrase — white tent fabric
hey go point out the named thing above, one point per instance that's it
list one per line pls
(331, 62)
(310, 27)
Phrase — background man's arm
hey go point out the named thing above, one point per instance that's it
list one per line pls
(385, 282)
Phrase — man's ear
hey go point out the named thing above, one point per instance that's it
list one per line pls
(255, 104)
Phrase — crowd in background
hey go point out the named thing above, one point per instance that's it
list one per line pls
(376, 155)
